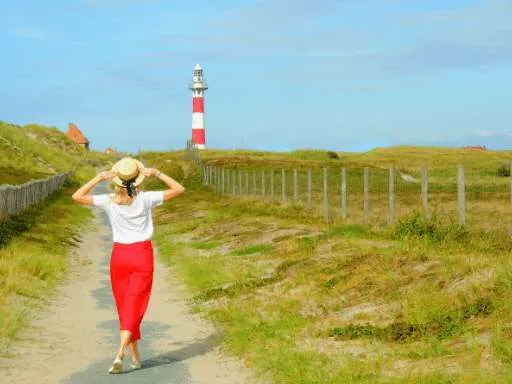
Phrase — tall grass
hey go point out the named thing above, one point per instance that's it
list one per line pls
(33, 258)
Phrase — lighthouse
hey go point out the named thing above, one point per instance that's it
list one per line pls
(198, 86)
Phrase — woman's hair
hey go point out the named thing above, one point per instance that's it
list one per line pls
(130, 187)
(122, 190)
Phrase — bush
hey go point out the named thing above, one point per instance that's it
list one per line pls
(332, 155)
(504, 170)
(418, 226)
(12, 226)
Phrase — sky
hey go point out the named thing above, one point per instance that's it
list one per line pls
(345, 75)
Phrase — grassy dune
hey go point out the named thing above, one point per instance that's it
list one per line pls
(306, 302)
(34, 152)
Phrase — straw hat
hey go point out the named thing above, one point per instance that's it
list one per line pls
(128, 169)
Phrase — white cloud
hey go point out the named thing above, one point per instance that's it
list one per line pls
(33, 33)
(483, 133)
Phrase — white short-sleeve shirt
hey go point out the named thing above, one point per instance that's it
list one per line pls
(130, 223)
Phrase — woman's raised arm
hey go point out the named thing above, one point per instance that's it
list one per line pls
(175, 188)
(82, 194)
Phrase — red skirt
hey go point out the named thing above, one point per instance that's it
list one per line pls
(131, 276)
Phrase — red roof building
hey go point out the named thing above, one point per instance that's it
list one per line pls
(76, 135)
(475, 148)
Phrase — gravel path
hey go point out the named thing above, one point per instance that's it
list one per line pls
(74, 340)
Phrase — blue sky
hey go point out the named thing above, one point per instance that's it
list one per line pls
(283, 74)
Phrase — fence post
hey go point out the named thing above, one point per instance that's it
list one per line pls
(233, 179)
(215, 178)
(240, 191)
(272, 184)
(229, 190)
(219, 179)
(392, 197)
(222, 180)
(510, 176)
(344, 193)
(254, 184)
(424, 190)
(366, 195)
(263, 183)
(309, 188)
(461, 195)
(247, 192)
(326, 197)
(295, 186)
(283, 186)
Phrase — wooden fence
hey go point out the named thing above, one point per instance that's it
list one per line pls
(15, 198)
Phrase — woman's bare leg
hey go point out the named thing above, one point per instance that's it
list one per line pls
(125, 337)
(134, 351)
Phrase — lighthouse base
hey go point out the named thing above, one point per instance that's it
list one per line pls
(199, 146)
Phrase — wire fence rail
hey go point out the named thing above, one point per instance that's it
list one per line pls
(466, 195)
(16, 198)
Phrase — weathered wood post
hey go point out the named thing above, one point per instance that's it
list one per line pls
(263, 183)
(510, 178)
(461, 195)
(234, 182)
(424, 191)
(223, 179)
(271, 184)
(366, 195)
(216, 177)
(254, 184)
(326, 198)
(309, 188)
(247, 192)
(283, 186)
(228, 184)
(240, 190)
(392, 197)
(295, 187)
(344, 193)
(231, 182)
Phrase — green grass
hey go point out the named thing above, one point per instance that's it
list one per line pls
(34, 260)
(289, 307)
(251, 249)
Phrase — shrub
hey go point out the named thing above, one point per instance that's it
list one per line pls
(332, 155)
(433, 229)
(504, 170)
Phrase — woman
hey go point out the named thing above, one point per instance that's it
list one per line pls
(131, 263)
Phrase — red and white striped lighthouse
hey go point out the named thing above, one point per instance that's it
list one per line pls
(198, 86)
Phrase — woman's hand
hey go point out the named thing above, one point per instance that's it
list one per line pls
(149, 172)
(107, 175)
(82, 194)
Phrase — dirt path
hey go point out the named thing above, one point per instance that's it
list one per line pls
(74, 340)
